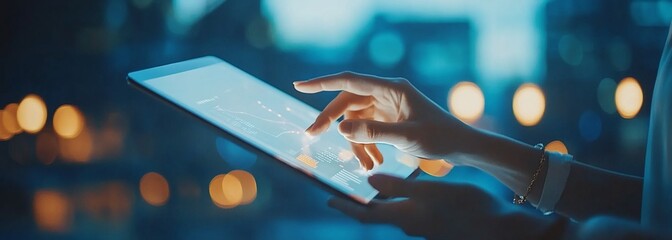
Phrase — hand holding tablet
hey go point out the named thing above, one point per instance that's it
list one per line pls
(269, 120)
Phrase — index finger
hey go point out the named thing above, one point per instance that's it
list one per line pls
(360, 84)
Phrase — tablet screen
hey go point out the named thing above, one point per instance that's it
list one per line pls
(274, 122)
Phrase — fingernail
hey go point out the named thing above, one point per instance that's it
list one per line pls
(297, 82)
(345, 128)
(309, 130)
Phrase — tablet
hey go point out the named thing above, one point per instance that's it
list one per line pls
(269, 120)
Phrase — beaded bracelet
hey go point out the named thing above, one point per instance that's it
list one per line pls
(520, 199)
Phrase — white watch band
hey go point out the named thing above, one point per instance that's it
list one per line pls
(559, 166)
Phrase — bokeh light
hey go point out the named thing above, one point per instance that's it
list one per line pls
(436, 168)
(109, 139)
(154, 189)
(111, 201)
(4, 133)
(570, 49)
(233, 189)
(605, 95)
(629, 98)
(9, 118)
(32, 113)
(466, 101)
(68, 121)
(557, 146)
(46, 147)
(79, 149)
(52, 211)
(590, 125)
(248, 184)
(219, 195)
(386, 49)
(529, 104)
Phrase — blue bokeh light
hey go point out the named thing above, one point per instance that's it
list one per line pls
(590, 125)
(234, 155)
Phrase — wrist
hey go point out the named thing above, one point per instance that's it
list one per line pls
(510, 161)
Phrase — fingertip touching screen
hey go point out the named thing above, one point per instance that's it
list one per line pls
(270, 120)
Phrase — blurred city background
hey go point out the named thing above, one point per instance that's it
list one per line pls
(84, 155)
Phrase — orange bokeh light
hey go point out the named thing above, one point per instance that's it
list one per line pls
(79, 149)
(557, 146)
(52, 211)
(226, 191)
(9, 118)
(154, 189)
(4, 133)
(628, 97)
(217, 193)
(46, 147)
(233, 189)
(68, 121)
(32, 113)
(529, 104)
(248, 185)
(466, 101)
(110, 201)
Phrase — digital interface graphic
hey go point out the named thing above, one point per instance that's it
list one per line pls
(274, 122)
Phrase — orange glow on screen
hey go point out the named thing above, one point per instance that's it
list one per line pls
(308, 160)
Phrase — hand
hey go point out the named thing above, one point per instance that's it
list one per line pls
(385, 110)
(439, 210)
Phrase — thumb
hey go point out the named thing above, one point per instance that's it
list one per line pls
(370, 131)
(390, 186)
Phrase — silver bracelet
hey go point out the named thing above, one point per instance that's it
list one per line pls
(520, 199)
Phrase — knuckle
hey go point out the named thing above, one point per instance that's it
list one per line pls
(402, 84)
(402, 81)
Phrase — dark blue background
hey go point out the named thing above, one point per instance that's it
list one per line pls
(79, 52)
